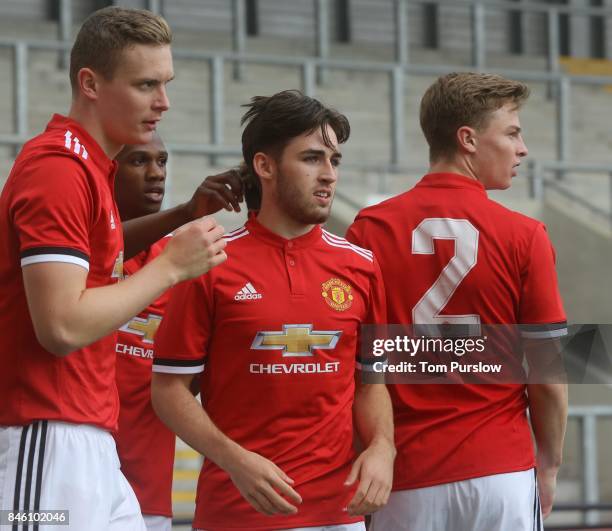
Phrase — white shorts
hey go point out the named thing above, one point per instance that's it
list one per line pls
(357, 526)
(53, 466)
(501, 502)
(157, 523)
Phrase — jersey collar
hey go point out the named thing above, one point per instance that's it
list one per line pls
(262, 233)
(451, 180)
(95, 153)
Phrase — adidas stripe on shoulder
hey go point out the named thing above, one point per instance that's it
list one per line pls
(73, 144)
(337, 241)
(236, 234)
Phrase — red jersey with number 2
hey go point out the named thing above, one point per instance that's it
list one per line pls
(450, 254)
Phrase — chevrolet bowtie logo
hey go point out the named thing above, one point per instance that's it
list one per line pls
(145, 328)
(296, 340)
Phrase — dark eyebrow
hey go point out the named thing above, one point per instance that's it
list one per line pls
(515, 128)
(320, 153)
(138, 153)
(141, 153)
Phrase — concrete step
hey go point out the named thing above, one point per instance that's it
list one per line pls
(187, 464)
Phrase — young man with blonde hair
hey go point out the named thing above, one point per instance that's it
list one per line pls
(449, 255)
(62, 251)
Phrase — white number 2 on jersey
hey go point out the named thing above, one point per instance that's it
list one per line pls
(427, 310)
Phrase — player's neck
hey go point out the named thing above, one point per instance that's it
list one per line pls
(85, 115)
(459, 166)
(278, 222)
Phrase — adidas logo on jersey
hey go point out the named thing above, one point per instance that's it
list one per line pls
(247, 293)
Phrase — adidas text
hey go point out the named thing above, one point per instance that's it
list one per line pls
(247, 296)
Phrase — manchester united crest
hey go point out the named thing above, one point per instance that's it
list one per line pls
(337, 294)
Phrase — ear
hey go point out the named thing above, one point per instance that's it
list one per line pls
(466, 139)
(264, 165)
(87, 80)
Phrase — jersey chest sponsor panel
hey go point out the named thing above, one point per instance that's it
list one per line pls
(144, 444)
(57, 206)
(452, 255)
(280, 365)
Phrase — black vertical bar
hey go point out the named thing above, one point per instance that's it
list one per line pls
(430, 20)
(515, 33)
(598, 33)
(22, 445)
(252, 18)
(28, 484)
(343, 20)
(564, 32)
(39, 468)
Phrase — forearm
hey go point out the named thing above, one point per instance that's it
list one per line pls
(548, 413)
(373, 415)
(77, 317)
(141, 233)
(176, 406)
(67, 315)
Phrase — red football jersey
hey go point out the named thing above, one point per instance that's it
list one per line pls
(450, 254)
(277, 325)
(144, 444)
(57, 206)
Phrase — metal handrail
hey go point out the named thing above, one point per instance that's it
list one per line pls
(535, 7)
(309, 66)
(538, 182)
(321, 24)
(588, 417)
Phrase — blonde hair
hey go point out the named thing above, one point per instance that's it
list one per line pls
(459, 99)
(107, 32)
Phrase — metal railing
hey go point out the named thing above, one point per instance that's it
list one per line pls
(313, 70)
(539, 182)
(588, 417)
(396, 75)
(478, 10)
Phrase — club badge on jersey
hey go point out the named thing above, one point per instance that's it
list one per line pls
(337, 294)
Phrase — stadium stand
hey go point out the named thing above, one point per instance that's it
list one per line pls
(378, 83)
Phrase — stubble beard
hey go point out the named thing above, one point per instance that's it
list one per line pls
(297, 206)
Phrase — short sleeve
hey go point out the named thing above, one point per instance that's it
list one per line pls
(377, 310)
(541, 313)
(182, 337)
(356, 233)
(375, 320)
(52, 212)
